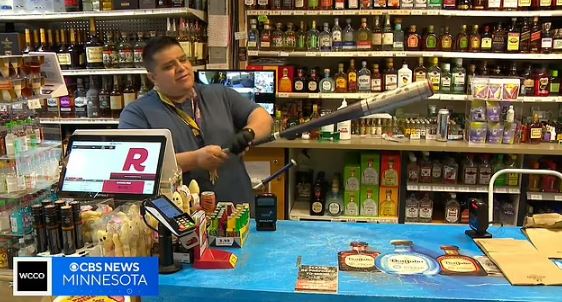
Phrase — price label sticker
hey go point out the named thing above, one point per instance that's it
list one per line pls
(425, 188)
(351, 220)
(536, 197)
(501, 190)
(34, 104)
(461, 188)
(412, 187)
(240, 35)
(282, 95)
(558, 197)
(400, 54)
(440, 189)
(224, 241)
(513, 191)
(253, 52)
(432, 12)
(311, 54)
(286, 12)
(427, 54)
(275, 13)
(20, 106)
(283, 54)
(376, 12)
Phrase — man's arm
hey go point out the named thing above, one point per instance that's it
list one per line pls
(207, 158)
(261, 122)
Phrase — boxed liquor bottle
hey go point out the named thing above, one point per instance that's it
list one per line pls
(351, 203)
(125, 4)
(351, 175)
(285, 76)
(388, 202)
(370, 167)
(10, 44)
(369, 201)
(390, 169)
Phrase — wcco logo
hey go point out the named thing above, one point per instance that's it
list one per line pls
(32, 276)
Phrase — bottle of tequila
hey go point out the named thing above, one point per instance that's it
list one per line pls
(325, 38)
(364, 36)
(434, 75)
(459, 77)
(301, 38)
(265, 37)
(388, 35)
(312, 83)
(253, 35)
(327, 84)
(277, 41)
(312, 38)
(364, 79)
(337, 43)
(300, 81)
(341, 79)
(289, 37)
(388, 206)
(398, 36)
(352, 77)
(376, 35)
(349, 41)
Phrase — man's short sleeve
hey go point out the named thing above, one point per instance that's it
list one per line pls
(240, 107)
(132, 117)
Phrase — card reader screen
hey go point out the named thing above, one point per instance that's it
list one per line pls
(166, 207)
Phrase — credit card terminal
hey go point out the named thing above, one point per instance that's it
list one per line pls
(169, 215)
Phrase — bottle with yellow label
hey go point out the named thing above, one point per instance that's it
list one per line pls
(341, 79)
(453, 263)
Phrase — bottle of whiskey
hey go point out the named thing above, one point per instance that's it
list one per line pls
(513, 37)
(390, 76)
(125, 51)
(474, 40)
(445, 78)
(542, 82)
(420, 73)
(265, 37)
(434, 75)
(110, 56)
(398, 34)
(376, 36)
(535, 36)
(290, 38)
(479, 4)
(376, 79)
(250, 4)
(459, 78)
(536, 130)
(277, 37)
(471, 74)
(63, 54)
(352, 77)
(53, 45)
(525, 37)
(103, 96)
(524, 4)
(313, 81)
(129, 94)
(528, 82)
(327, 84)
(116, 98)
(339, 4)
(43, 45)
(430, 39)
(312, 38)
(364, 78)
(464, 4)
(349, 36)
(94, 49)
(253, 35)
(364, 36)
(388, 35)
(80, 101)
(413, 41)
(325, 38)
(499, 39)
(300, 81)
(487, 40)
(337, 43)
(263, 4)
(546, 40)
(92, 97)
(341, 79)
(446, 40)
(462, 40)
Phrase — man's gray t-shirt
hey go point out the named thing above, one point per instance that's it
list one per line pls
(224, 112)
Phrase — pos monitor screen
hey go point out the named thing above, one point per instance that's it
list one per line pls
(119, 167)
(256, 85)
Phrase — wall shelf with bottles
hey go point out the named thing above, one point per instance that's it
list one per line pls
(460, 188)
(79, 121)
(442, 97)
(407, 12)
(40, 186)
(157, 12)
(113, 71)
(544, 196)
(300, 211)
(402, 54)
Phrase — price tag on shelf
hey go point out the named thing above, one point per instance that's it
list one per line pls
(513, 190)
(311, 95)
(283, 54)
(351, 220)
(224, 241)
(376, 12)
(425, 188)
(311, 54)
(501, 190)
(240, 35)
(461, 189)
(428, 54)
(253, 52)
(286, 12)
(535, 197)
(17, 106)
(558, 197)
(440, 189)
(34, 104)
(400, 54)
(362, 53)
(432, 12)
(282, 95)
(274, 13)
(412, 187)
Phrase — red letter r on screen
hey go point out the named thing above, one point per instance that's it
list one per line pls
(135, 158)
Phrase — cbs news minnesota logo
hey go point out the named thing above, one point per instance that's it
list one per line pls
(32, 276)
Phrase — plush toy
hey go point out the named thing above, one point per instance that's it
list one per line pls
(186, 198)
(125, 238)
(89, 218)
(106, 242)
(177, 200)
(118, 245)
(194, 187)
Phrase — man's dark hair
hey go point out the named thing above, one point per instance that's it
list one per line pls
(154, 46)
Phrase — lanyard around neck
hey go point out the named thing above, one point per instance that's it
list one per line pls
(188, 120)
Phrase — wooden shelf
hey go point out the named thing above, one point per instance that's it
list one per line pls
(156, 12)
(359, 143)
(301, 212)
(406, 12)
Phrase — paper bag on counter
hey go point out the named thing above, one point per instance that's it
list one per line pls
(528, 269)
(547, 241)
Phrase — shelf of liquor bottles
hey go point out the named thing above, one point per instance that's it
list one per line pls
(403, 54)
(407, 12)
(300, 211)
(460, 188)
(362, 143)
(442, 97)
(113, 71)
(79, 121)
(145, 13)
(544, 196)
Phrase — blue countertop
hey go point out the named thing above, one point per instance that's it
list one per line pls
(267, 268)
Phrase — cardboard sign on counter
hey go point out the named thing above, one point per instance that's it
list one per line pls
(547, 241)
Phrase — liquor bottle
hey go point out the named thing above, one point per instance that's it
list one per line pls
(405, 261)
(498, 165)
(474, 40)
(43, 45)
(364, 78)
(398, 43)
(452, 209)
(253, 35)
(557, 40)
(546, 40)
(512, 178)
(542, 82)
(138, 48)
(353, 4)
(470, 171)
(535, 36)
(364, 36)
(499, 39)
(277, 37)
(377, 35)
(325, 38)
(337, 43)
(312, 38)
(80, 101)
(290, 38)
(426, 208)
(339, 4)
(487, 40)
(390, 76)
(129, 94)
(300, 4)
(125, 51)
(453, 263)
(430, 39)
(52, 45)
(524, 4)
(285, 84)
(263, 4)
(404, 75)
(525, 37)
(554, 83)
(446, 40)
(548, 182)
(376, 79)
(449, 4)
(265, 37)
(349, 36)
(434, 75)
(445, 86)
(388, 35)
(470, 75)
(74, 51)
(542, 4)
(420, 73)
(92, 99)
(313, 4)
(103, 96)
(327, 84)
(413, 41)
(94, 49)
(300, 81)
(116, 98)
(484, 170)
(388, 207)
(459, 78)
(28, 47)
(143, 90)
(301, 38)
(341, 79)
(513, 37)
(479, 4)
(334, 201)
(366, 4)
(464, 4)
(326, 4)
(287, 4)
(412, 209)
(528, 82)
(63, 54)
(312, 83)
(110, 56)
(536, 130)
(462, 40)
(67, 101)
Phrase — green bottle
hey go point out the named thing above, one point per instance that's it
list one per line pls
(435, 4)
(501, 181)
(313, 4)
